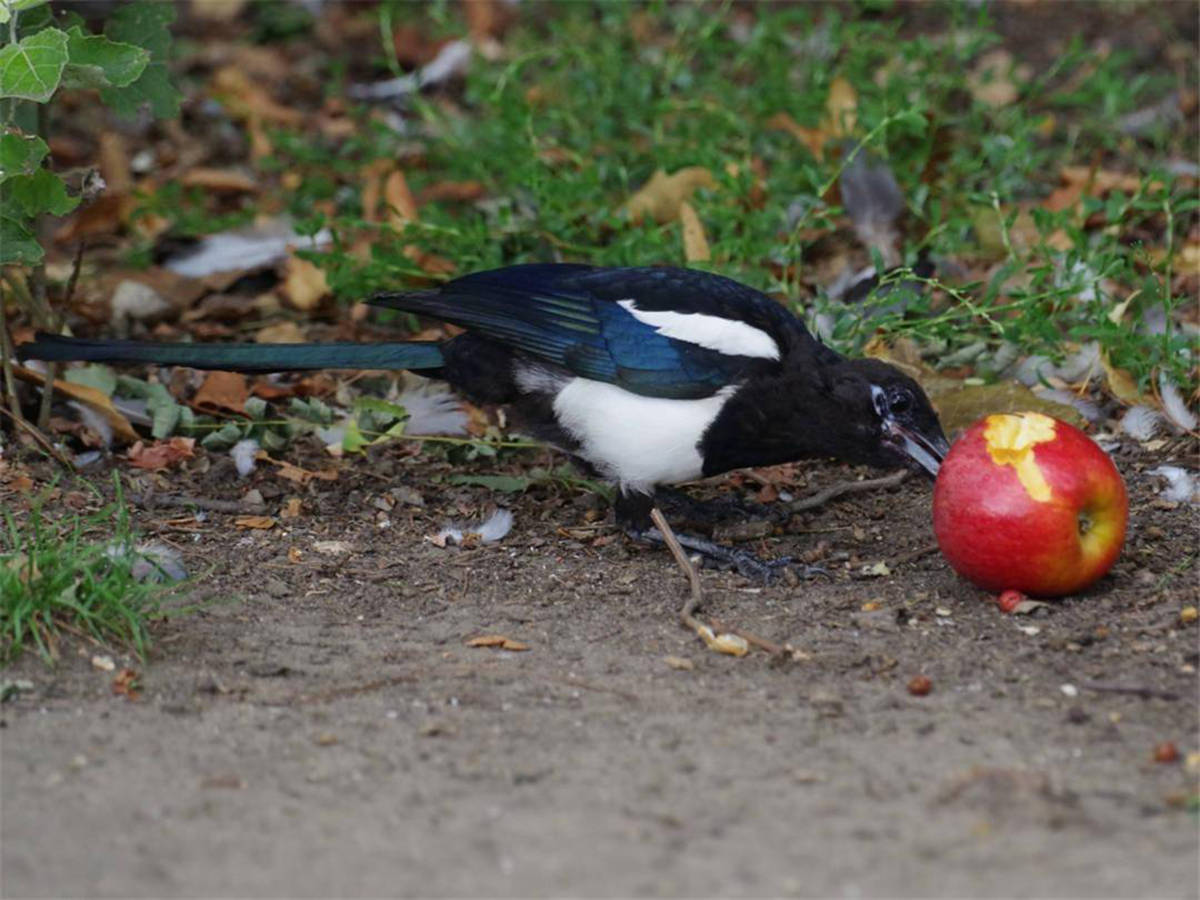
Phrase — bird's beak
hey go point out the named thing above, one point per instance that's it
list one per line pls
(926, 452)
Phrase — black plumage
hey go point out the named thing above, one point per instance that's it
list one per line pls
(648, 376)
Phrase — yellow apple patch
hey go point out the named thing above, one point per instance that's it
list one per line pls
(1010, 439)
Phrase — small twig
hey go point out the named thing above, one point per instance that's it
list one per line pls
(74, 279)
(153, 501)
(686, 612)
(914, 554)
(822, 497)
(6, 356)
(37, 435)
(1146, 693)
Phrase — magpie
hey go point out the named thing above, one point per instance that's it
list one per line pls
(648, 376)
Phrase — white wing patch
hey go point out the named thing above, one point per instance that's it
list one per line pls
(635, 440)
(715, 333)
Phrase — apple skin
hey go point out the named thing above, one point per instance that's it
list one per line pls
(1029, 503)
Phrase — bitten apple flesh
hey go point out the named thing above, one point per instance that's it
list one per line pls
(1029, 503)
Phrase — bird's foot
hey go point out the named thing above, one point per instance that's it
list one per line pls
(744, 562)
(707, 515)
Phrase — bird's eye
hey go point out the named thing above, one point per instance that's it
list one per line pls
(900, 402)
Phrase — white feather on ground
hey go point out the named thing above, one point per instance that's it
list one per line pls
(1141, 422)
(433, 411)
(247, 248)
(1181, 484)
(494, 528)
(1173, 406)
(94, 421)
(244, 453)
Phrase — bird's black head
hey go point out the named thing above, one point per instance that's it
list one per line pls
(884, 418)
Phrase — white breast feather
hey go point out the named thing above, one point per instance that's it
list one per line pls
(715, 333)
(637, 441)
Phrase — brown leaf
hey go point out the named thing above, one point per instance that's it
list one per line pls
(161, 454)
(457, 191)
(90, 396)
(247, 101)
(402, 207)
(304, 283)
(259, 522)
(106, 215)
(991, 80)
(661, 196)
(128, 683)
(223, 390)
(695, 244)
(812, 138)
(1122, 385)
(287, 332)
(220, 181)
(841, 109)
(114, 163)
(958, 409)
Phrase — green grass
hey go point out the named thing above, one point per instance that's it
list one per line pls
(589, 100)
(73, 574)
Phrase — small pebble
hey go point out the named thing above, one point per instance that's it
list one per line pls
(919, 685)
(1166, 752)
(1069, 690)
(678, 662)
(1188, 615)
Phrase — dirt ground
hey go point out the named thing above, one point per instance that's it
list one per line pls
(321, 728)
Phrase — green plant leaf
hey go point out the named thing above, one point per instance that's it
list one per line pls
(17, 244)
(32, 68)
(9, 7)
(96, 62)
(41, 192)
(145, 25)
(20, 154)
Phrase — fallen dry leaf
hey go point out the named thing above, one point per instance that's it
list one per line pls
(661, 196)
(296, 474)
(812, 138)
(458, 191)
(128, 683)
(497, 640)
(220, 181)
(259, 522)
(841, 109)
(161, 454)
(247, 101)
(286, 332)
(1122, 385)
(114, 163)
(991, 79)
(89, 396)
(402, 207)
(304, 283)
(223, 390)
(695, 244)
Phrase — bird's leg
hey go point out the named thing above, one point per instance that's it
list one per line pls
(633, 516)
(705, 515)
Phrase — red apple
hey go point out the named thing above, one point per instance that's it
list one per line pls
(1029, 503)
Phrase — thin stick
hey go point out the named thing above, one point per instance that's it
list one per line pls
(40, 438)
(847, 487)
(686, 613)
(6, 351)
(689, 571)
(153, 501)
(1146, 693)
